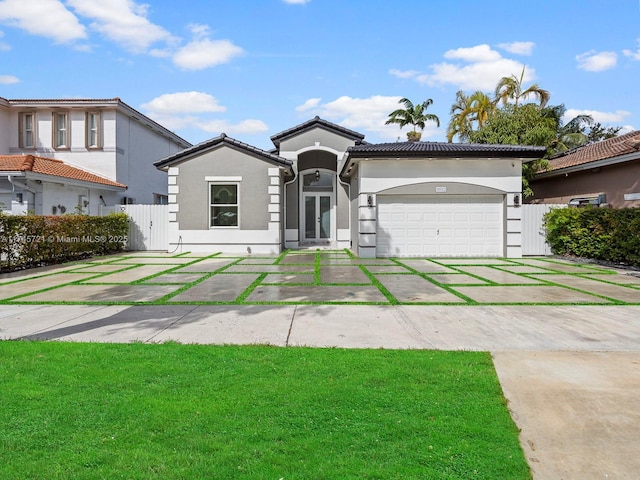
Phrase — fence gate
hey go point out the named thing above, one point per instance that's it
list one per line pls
(148, 226)
(534, 241)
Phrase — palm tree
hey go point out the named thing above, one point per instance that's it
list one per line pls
(571, 134)
(481, 106)
(465, 111)
(460, 123)
(415, 115)
(510, 88)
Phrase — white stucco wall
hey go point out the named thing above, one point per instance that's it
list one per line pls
(378, 176)
(129, 148)
(500, 174)
(138, 148)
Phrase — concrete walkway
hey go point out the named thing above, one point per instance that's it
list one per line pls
(571, 375)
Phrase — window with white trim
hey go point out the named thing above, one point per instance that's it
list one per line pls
(224, 204)
(27, 130)
(61, 137)
(93, 134)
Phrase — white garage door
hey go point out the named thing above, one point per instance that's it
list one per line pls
(440, 226)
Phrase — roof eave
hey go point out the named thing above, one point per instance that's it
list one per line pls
(72, 181)
(355, 157)
(316, 122)
(218, 142)
(605, 162)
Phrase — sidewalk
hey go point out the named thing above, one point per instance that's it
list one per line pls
(483, 328)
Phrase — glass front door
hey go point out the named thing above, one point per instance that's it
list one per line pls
(317, 217)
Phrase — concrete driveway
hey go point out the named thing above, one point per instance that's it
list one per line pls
(325, 277)
(565, 337)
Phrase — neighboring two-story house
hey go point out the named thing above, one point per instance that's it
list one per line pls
(61, 156)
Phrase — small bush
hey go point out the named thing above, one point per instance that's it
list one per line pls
(597, 233)
(33, 240)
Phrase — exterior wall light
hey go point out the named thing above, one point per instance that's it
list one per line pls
(370, 200)
(516, 200)
(317, 175)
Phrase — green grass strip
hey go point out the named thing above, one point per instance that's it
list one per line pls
(249, 290)
(317, 275)
(468, 300)
(387, 294)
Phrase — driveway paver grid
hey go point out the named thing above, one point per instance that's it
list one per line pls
(321, 276)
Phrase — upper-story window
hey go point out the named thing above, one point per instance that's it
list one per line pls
(93, 123)
(27, 130)
(61, 133)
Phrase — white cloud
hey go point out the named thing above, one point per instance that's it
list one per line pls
(122, 21)
(635, 55)
(593, 61)
(519, 48)
(246, 127)
(308, 105)
(404, 73)
(183, 102)
(616, 117)
(473, 68)
(46, 18)
(193, 110)
(296, 2)
(4, 47)
(368, 114)
(8, 79)
(199, 30)
(200, 54)
(479, 53)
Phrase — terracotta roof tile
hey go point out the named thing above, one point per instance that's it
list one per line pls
(53, 167)
(612, 147)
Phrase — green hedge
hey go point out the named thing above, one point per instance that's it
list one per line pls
(596, 233)
(34, 240)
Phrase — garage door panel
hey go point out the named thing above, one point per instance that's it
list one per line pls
(428, 225)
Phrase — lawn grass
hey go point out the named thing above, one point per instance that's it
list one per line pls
(138, 411)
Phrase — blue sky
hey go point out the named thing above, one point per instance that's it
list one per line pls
(253, 68)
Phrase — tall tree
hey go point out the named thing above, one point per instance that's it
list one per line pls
(571, 134)
(414, 115)
(511, 88)
(460, 123)
(467, 112)
(527, 124)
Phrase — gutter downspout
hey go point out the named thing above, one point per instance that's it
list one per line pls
(284, 207)
(348, 185)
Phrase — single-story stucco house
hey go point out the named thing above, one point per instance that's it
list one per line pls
(605, 173)
(323, 185)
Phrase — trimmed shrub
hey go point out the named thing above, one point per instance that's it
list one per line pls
(596, 233)
(34, 240)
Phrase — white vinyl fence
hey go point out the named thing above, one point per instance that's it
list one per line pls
(534, 241)
(148, 225)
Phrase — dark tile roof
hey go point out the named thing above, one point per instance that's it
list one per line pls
(223, 139)
(443, 149)
(628, 143)
(52, 167)
(316, 122)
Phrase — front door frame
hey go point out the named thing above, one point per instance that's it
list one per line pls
(302, 210)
